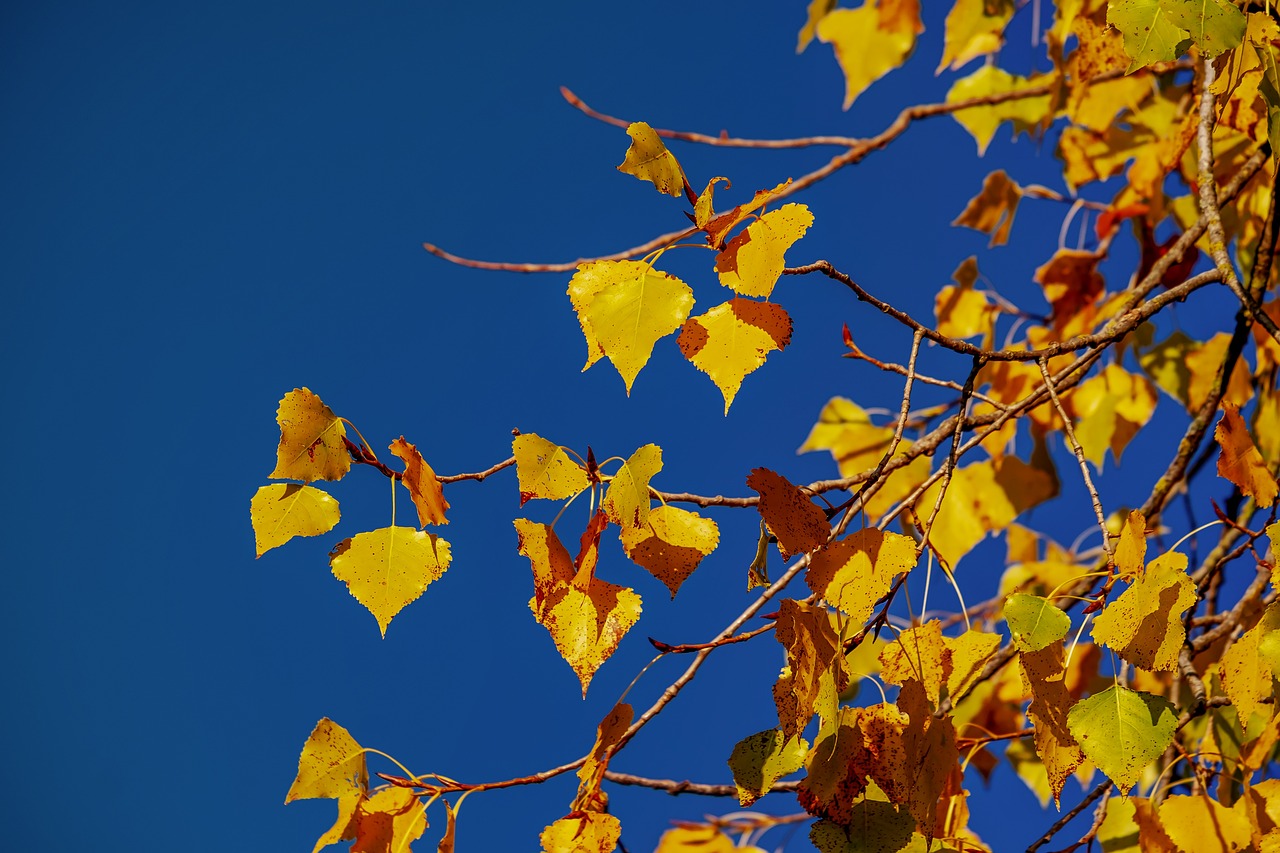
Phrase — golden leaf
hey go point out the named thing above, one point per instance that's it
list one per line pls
(701, 838)
(1096, 105)
(813, 650)
(963, 312)
(345, 827)
(854, 572)
(974, 28)
(1071, 282)
(582, 832)
(1248, 674)
(918, 654)
(544, 469)
(608, 734)
(733, 339)
(799, 524)
(331, 765)
(389, 821)
(1131, 550)
(752, 261)
(1202, 824)
(387, 568)
(969, 654)
(1110, 409)
(1144, 625)
(1043, 673)
(282, 511)
(649, 160)
(311, 440)
(868, 44)
(982, 121)
(1240, 462)
(718, 227)
(427, 491)
(703, 210)
(992, 210)
(626, 502)
(818, 9)
(672, 545)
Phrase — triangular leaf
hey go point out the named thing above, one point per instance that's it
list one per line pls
(852, 573)
(387, 568)
(649, 160)
(733, 339)
(672, 545)
(763, 758)
(753, 260)
(798, 523)
(1144, 625)
(282, 511)
(626, 502)
(1122, 731)
(545, 470)
(332, 765)
(311, 440)
(1034, 622)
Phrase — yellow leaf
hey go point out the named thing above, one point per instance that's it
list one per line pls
(1071, 282)
(672, 545)
(852, 573)
(974, 28)
(1240, 462)
(1131, 550)
(1204, 825)
(867, 45)
(813, 650)
(982, 121)
(389, 821)
(1248, 675)
(627, 500)
(331, 765)
(963, 312)
(1043, 674)
(753, 260)
(582, 832)
(918, 654)
(626, 318)
(587, 282)
(969, 653)
(282, 511)
(1110, 409)
(345, 827)
(992, 210)
(649, 160)
(1144, 625)
(1096, 106)
(544, 469)
(799, 524)
(700, 838)
(1100, 47)
(1203, 363)
(551, 563)
(591, 774)
(702, 208)
(311, 440)
(718, 227)
(387, 568)
(733, 339)
(818, 9)
(427, 491)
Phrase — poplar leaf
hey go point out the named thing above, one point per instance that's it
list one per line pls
(1200, 823)
(818, 9)
(799, 524)
(982, 121)
(626, 501)
(868, 46)
(968, 653)
(918, 654)
(963, 312)
(450, 829)
(1216, 26)
(1131, 550)
(1273, 533)
(759, 760)
(282, 511)
(703, 209)
(587, 282)
(992, 210)
(733, 339)
(854, 572)
(387, 568)
(1144, 625)
(649, 160)
(1111, 408)
(1150, 35)
(427, 491)
(389, 821)
(582, 832)
(813, 651)
(1240, 462)
(696, 839)
(591, 774)
(874, 827)
(1071, 282)
(1034, 622)
(345, 827)
(718, 227)
(331, 765)
(974, 28)
(311, 440)
(752, 261)
(1122, 731)
(1248, 674)
(545, 470)
(1044, 674)
(672, 545)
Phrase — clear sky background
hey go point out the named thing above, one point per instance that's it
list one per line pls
(209, 205)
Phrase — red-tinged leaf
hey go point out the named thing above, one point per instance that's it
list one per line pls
(799, 524)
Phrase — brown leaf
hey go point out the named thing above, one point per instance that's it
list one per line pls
(799, 524)
(1240, 461)
(427, 491)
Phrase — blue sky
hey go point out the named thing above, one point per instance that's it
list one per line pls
(211, 205)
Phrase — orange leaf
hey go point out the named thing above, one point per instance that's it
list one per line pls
(992, 210)
(719, 226)
(610, 731)
(798, 523)
(813, 651)
(1043, 674)
(1240, 461)
(672, 544)
(582, 832)
(420, 480)
(388, 821)
(1071, 281)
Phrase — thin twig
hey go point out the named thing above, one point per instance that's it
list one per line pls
(1069, 816)
(671, 786)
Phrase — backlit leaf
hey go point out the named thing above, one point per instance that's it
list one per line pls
(703, 208)
(763, 758)
(733, 339)
(992, 210)
(1111, 408)
(1150, 34)
(420, 480)
(1071, 281)
(852, 573)
(389, 821)
(1122, 731)
(626, 501)
(818, 9)
(1216, 26)
(718, 227)
(867, 46)
(1051, 700)
(587, 282)
(282, 511)
(969, 653)
(696, 839)
(545, 470)
(387, 568)
(963, 312)
(918, 654)
(813, 650)
(582, 832)
(1200, 823)
(752, 261)
(974, 28)
(331, 765)
(1131, 550)
(591, 774)
(1034, 622)
(649, 160)
(311, 440)
(345, 827)
(1248, 674)
(672, 544)
(1144, 625)
(982, 121)
(799, 524)
(874, 827)
(1240, 462)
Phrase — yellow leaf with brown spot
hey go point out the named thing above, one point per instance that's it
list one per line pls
(1200, 823)
(818, 9)
(1240, 462)
(759, 760)
(969, 653)
(582, 832)
(331, 765)
(718, 227)
(974, 28)
(992, 210)
(852, 573)
(1070, 281)
(311, 440)
(752, 261)
(703, 209)
(385, 569)
(918, 654)
(345, 827)
(545, 470)
(1088, 156)
(389, 821)
(799, 524)
(1097, 105)
(1248, 673)
(813, 651)
(1043, 673)
(649, 160)
(734, 339)
(591, 774)
(282, 511)
(1144, 625)
(626, 501)
(450, 829)
(867, 45)
(672, 544)
(1026, 113)
(1131, 550)
(419, 478)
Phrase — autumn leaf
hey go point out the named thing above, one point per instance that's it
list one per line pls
(968, 654)
(544, 469)
(974, 28)
(427, 491)
(591, 774)
(389, 821)
(918, 654)
(818, 9)
(813, 651)
(1200, 823)
(345, 827)
(387, 568)
(1131, 550)
(582, 832)
(649, 160)
(854, 572)
(763, 758)
(733, 339)
(703, 208)
(867, 43)
(752, 261)
(1150, 35)
(672, 545)
(982, 121)
(799, 524)
(874, 827)
(1043, 672)
(718, 227)
(1144, 625)
(332, 765)
(282, 511)
(992, 210)
(450, 830)
(1071, 281)
(626, 501)
(311, 440)
(1247, 671)
(1240, 462)
(699, 838)
(1034, 622)
(1110, 409)
(963, 312)
(1122, 731)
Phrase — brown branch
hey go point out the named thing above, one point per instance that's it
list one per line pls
(566, 266)
(479, 476)
(454, 787)
(671, 786)
(1099, 815)
(687, 648)
(1069, 816)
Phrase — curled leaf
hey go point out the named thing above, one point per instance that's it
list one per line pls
(649, 160)
(427, 491)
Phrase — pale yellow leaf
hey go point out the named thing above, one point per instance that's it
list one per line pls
(311, 440)
(626, 318)
(387, 568)
(282, 511)
(982, 121)
(974, 28)
(865, 47)
(696, 839)
(733, 339)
